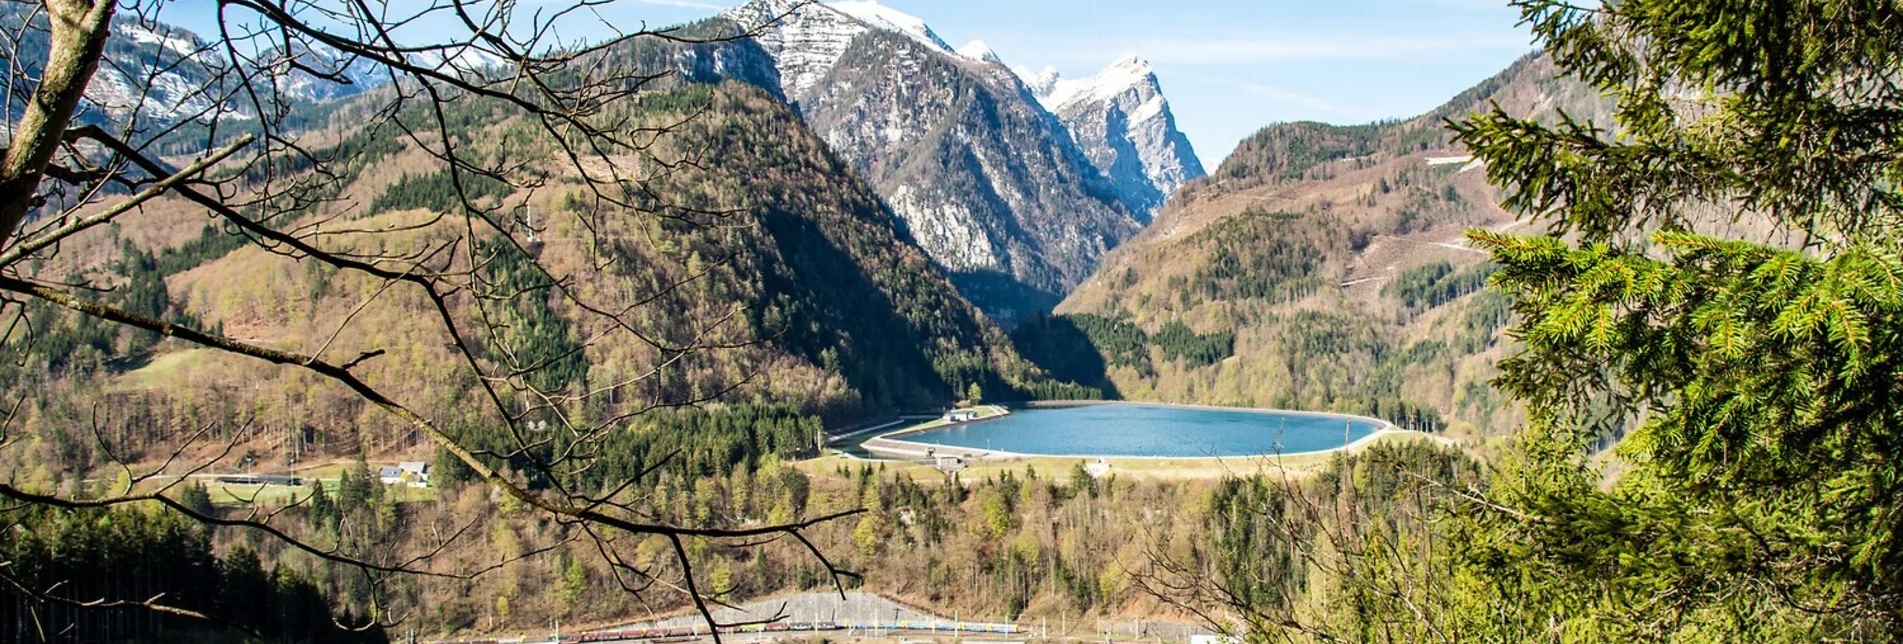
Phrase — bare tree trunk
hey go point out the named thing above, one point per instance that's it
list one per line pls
(78, 32)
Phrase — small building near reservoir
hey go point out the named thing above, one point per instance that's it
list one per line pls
(411, 473)
(961, 415)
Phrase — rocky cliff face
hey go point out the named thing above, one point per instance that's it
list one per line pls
(163, 74)
(1014, 201)
(1123, 123)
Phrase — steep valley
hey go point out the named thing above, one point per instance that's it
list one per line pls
(1319, 267)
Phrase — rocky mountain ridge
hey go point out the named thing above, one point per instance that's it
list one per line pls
(1019, 202)
(1124, 123)
(163, 74)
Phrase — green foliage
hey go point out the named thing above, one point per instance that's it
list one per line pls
(1276, 548)
(210, 244)
(138, 554)
(533, 340)
(1437, 284)
(1078, 345)
(1248, 524)
(68, 343)
(574, 581)
(1774, 376)
(357, 487)
(440, 191)
(1122, 343)
(1758, 497)
(1260, 255)
(1178, 341)
(695, 442)
(195, 497)
(1292, 150)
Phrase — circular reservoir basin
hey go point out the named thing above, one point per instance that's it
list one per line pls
(1151, 431)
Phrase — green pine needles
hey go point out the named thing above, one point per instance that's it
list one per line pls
(1753, 380)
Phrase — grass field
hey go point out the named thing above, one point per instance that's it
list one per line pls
(161, 370)
(269, 495)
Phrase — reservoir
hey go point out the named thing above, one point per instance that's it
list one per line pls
(1150, 430)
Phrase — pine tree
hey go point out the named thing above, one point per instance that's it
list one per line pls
(1756, 387)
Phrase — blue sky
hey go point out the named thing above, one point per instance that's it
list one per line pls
(1229, 67)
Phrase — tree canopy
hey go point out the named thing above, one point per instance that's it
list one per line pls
(1754, 378)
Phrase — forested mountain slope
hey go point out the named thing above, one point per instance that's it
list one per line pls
(1320, 267)
(822, 309)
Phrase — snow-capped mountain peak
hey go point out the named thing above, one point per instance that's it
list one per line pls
(1041, 82)
(1121, 119)
(1054, 187)
(883, 17)
(806, 40)
(979, 51)
(183, 46)
(1127, 72)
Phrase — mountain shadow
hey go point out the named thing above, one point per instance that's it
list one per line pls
(1056, 344)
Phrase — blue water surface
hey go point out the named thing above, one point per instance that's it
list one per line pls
(1146, 430)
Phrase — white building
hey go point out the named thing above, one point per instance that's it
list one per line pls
(948, 464)
(415, 472)
(961, 415)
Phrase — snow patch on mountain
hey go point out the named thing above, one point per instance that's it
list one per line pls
(979, 51)
(1040, 83)
(883, 17)
(140, 34)
(805, 40)
(1057, 92)
(461, 59)
(1123, 123)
